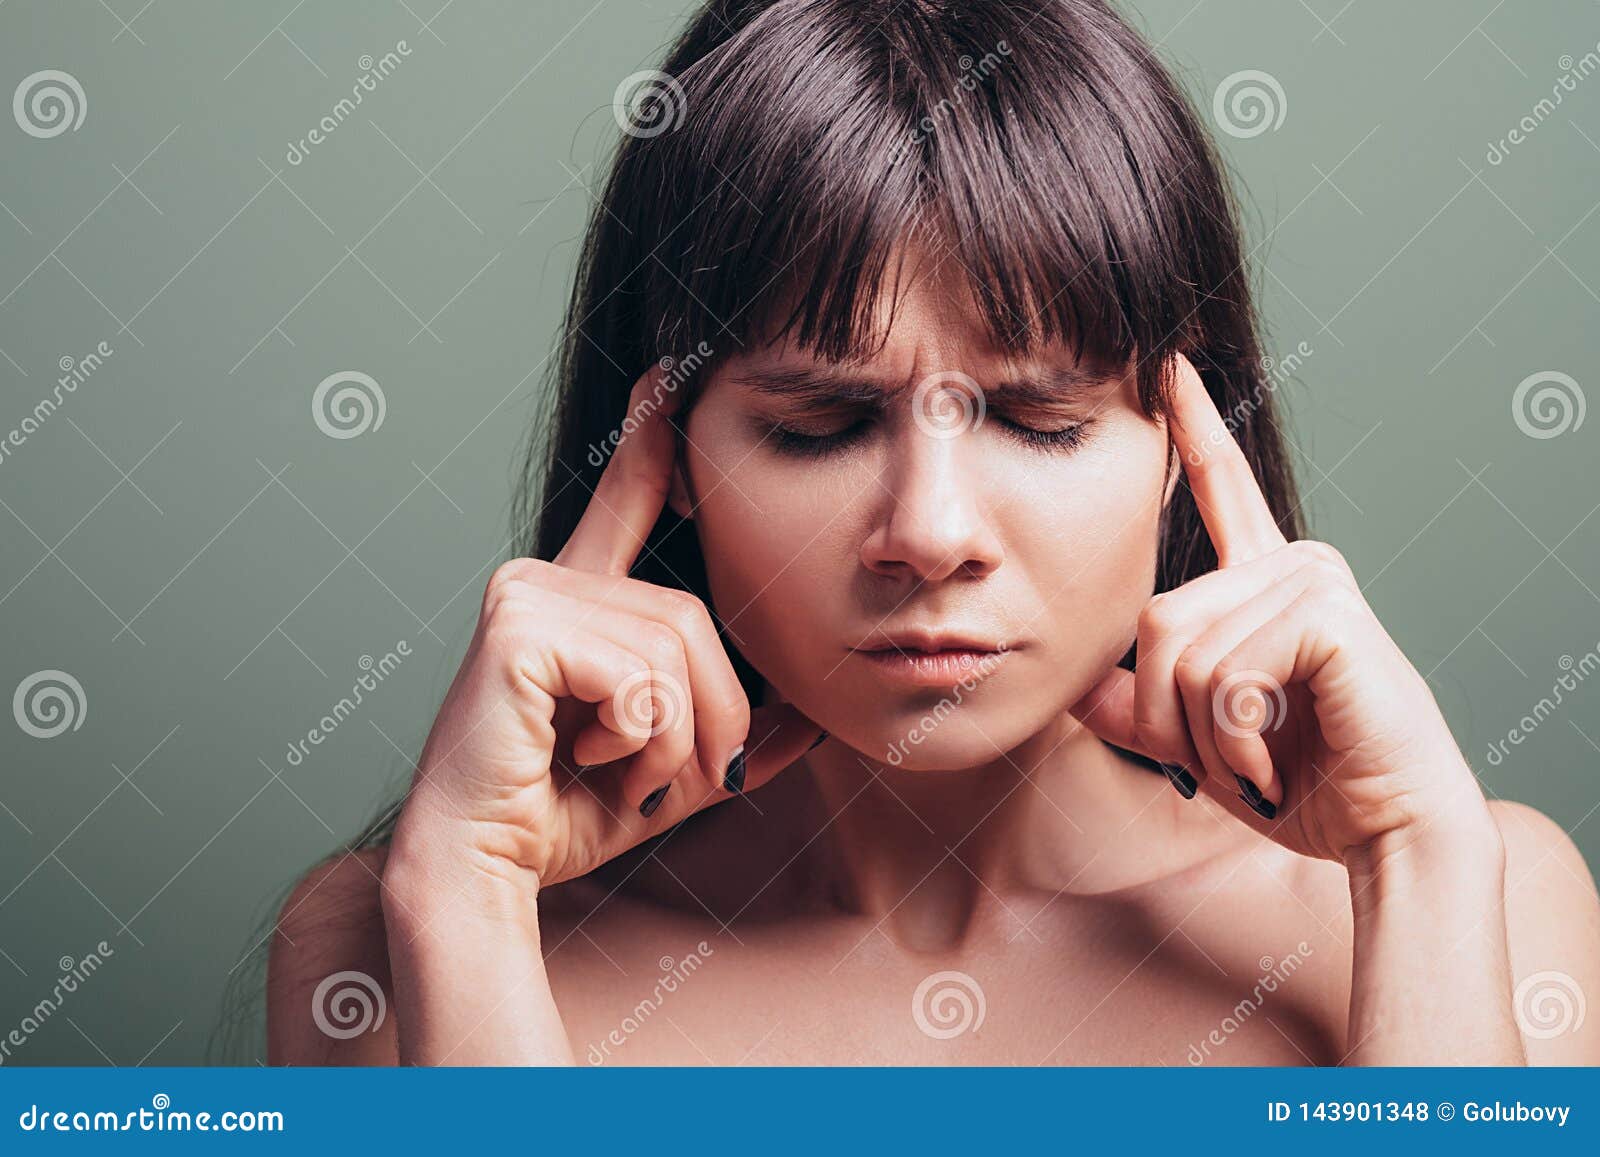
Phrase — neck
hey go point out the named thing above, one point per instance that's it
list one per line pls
(932, 854)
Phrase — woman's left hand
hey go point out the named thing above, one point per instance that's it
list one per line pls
(1271, 682)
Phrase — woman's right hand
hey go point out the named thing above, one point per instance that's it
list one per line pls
(592, 710)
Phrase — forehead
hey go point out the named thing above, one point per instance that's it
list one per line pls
(924, 319)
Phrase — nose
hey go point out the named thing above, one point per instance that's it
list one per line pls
(935, 522)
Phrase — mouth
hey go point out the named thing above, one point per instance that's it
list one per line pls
(932, 659)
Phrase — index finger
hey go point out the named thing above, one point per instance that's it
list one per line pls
(633, 487)
(1225, 489)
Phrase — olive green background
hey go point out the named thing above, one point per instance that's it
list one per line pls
(184, 540)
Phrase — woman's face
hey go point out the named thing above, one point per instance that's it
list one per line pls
(935, 552)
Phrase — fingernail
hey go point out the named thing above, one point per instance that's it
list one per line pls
(653, 800)
(733, 778)
(1251, 794)
(817, 742)
(1181, 779)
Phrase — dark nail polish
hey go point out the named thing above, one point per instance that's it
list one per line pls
(733, 778)
(1251, 794)
(1181, 779)
(653, 800)
(817, 742)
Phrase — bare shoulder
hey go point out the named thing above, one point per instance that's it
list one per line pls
(330, 991)
(1553, 930)
(329, 994)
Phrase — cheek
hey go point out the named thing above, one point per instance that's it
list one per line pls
(1087, 544)
(772, 537)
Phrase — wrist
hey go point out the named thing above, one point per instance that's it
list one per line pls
(435, 878)
(1457, 853)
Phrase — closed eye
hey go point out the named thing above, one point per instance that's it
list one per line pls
(798, 443)
(1065, 438)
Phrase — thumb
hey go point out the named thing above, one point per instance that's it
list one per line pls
(779, 735)
(1107, 709)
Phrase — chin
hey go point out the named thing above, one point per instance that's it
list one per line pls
(936, 740)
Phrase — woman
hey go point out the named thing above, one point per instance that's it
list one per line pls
(915, 492)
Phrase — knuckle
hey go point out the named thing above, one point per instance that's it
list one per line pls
(1194, 668)
(504, 626)
(1160, 616)
(684, 610)
(659, 644)
(506, 572)
(1223, 674)
(1340, 602)
(515, 574)
(1326, 574)
(1321, 552)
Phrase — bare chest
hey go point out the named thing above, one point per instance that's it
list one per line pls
(1055, 991)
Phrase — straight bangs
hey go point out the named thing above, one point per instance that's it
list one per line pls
(812, 148)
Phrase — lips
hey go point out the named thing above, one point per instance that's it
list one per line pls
(931, 658)
(937, 669)
(929, 642)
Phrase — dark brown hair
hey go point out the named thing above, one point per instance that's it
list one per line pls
(773, 167)
(770, 171)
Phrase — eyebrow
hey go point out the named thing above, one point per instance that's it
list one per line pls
(1038, 385)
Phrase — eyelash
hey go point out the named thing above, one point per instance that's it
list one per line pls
(796, 444)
